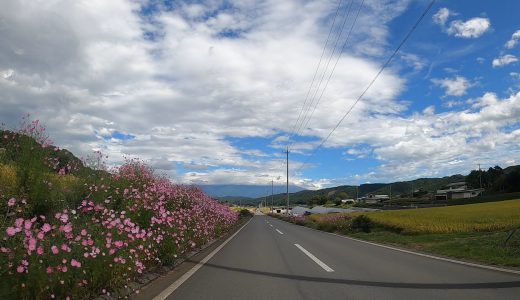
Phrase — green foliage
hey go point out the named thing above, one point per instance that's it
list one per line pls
(244, 213)
(362, 223)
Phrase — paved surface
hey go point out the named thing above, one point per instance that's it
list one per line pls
(263, 262)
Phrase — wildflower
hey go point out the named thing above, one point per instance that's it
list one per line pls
(55, 250)
(11, 202)
(10, 231)
(75, 263)
(46, 227)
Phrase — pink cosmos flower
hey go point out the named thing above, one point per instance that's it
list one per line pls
(49, 270)
(39, 250)
(55, 250)
(46, 227)
(20, 269)
(11, 202)
(75, 263)
(10, 231)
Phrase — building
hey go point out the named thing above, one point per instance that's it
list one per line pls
(371, 198)
(457, 190)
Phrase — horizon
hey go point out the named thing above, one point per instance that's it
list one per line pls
(212, 93)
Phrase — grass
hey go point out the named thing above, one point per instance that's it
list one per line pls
(481, 217)
(481, 247)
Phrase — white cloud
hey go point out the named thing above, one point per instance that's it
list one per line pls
(504, 60)
(456, 86)
(87, 70)
(442, 16)
(473, 28)
(514, 40)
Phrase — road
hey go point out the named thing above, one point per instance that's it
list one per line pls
(272, 259)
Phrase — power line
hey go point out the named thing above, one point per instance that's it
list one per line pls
(317, 68)
(335, 64)
(425, 12)
(313, 97)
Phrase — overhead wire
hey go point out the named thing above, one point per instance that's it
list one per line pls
(325, 70)
(317, 68)
(335, 65)
(383, 67)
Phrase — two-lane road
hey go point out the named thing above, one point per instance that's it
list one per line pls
(271, 259)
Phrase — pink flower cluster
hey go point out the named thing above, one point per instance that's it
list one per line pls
(130, 222)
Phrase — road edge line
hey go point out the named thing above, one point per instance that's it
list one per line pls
(171, 288)
(460, 262)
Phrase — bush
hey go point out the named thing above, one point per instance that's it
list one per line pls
(244, 213)
(362, 223)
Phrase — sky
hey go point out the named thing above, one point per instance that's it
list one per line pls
(213, 92)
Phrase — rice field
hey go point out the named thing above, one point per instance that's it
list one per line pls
(481, 217)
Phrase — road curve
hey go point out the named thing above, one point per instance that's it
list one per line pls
(272, 259)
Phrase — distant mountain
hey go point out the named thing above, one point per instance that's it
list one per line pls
(249, 191)
(349, 191)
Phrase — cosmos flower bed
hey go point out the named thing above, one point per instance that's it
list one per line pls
(130, 220)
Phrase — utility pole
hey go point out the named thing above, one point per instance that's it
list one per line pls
(287, 187)
(480, 175)
(357, 195)
(272, 194)
(390, 191)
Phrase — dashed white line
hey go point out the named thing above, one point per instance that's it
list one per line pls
(270, 225)
(279, 231)
(315, 259)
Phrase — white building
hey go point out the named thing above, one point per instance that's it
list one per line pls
(457, 190)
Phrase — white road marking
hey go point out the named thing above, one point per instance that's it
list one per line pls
(166, 292)
(270, 225)
(279, 231)
(315, 259)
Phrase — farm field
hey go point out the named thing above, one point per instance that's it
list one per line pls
(482, 217)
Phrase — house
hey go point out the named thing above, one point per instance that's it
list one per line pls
(457, 190)
(371, 198)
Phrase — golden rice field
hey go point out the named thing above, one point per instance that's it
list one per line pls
(481, 217)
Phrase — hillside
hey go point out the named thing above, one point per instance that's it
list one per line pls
(505, 180)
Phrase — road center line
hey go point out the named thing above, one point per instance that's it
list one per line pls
(315, 259)
(270, 225)
(166, 292)
(279, 231)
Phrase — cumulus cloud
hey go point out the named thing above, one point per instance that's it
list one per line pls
(456, 86)
(514, 40)
(441, 16)
(504, 60)
(182, 82)
(472, 28)
(453, 142)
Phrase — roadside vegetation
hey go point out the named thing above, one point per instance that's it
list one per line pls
(483, 232)
(70, 228)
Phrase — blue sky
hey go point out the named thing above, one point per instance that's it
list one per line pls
(209, 92)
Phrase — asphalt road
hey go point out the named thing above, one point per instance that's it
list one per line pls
(263, 262)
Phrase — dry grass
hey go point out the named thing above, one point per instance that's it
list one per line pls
(8, 178)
